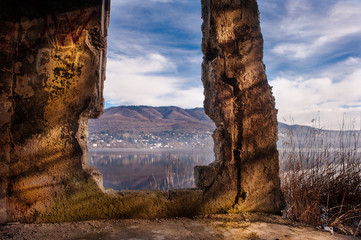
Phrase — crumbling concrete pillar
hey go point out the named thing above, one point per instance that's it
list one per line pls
(239, 100)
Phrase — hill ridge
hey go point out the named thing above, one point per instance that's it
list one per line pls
(174, 127)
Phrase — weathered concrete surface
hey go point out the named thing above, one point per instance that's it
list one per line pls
(52, 73)
(213, 227)
(239, 100)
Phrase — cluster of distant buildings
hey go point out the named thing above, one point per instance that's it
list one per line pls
(163, 140)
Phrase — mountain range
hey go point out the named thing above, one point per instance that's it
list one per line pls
(138, 119)
(175, 127)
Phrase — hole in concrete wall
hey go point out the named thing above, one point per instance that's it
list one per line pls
(154, 59)
(52, 89)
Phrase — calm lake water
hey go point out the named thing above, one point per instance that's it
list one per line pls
(148, 169)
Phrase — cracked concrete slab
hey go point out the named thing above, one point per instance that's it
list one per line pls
(213, 227)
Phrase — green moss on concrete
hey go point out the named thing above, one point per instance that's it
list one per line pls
(87, 202)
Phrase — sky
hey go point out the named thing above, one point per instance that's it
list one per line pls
(312, 53)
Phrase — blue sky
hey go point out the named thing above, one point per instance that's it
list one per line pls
(312, 52)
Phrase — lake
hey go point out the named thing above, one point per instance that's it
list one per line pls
(162, 169)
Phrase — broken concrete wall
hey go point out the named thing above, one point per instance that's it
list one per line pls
(52, 73)
(239, 100)
(52, 55)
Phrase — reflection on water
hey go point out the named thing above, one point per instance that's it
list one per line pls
(139, 169)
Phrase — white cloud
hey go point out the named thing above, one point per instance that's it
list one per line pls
(308, 54)
(120, 2)
(313, 58)
(151, 63)
(293, 50)
(152, 59)
(142, 81)
(124, 2)
(305, 31)
(162, 1)
(301, 98)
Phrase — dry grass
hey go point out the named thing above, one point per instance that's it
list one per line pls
(177, 175)
(321, 178)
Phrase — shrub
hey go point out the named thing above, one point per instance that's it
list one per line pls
(321, 178)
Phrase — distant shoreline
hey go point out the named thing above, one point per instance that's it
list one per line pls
(146, 150)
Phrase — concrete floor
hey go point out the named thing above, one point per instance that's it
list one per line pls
(213, 227)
